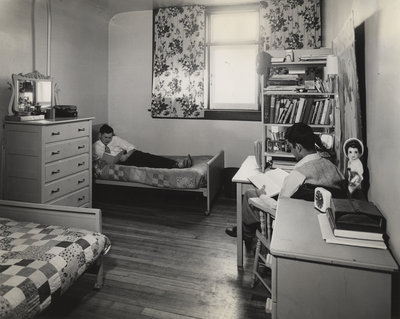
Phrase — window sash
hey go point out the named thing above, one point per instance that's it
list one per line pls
(220, 43)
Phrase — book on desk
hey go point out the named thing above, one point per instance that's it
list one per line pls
(271, 181)
(353, 222)
(330, 238)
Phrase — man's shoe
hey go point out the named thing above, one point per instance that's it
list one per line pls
(231, 231)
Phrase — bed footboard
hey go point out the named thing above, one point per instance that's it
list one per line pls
(85, 218)
(215, 168)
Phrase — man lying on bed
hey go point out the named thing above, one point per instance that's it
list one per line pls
(114, 149)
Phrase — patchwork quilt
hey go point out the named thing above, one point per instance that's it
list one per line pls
(39, 262)
(193, 177)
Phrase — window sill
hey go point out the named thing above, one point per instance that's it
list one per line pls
(232, 115)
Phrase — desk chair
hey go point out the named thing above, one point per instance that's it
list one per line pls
(262, 257)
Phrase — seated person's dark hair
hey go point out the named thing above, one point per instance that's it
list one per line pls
(303, 134)
(106, 129)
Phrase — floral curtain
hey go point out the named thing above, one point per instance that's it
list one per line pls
(290, 24)
(179, 62)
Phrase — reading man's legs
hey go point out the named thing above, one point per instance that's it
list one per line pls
(250, 218)
(142, 159)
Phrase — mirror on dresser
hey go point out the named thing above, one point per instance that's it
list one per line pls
(32, 95)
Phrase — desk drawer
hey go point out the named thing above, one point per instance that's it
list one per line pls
(65, 185)
(66, 167)
(75, 199)
(54, 133)
(61, 150)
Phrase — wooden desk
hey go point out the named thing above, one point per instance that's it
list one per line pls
(313, 279)
(248, 168)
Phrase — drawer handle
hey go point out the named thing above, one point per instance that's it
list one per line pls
(55, 153)
(81, 164)
(55, 172)
(55, 133)
(80, 147)
(53, 191)
(81, 130)
(81, 198)
(81, 181)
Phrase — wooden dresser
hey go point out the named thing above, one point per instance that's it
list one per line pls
(49, 161)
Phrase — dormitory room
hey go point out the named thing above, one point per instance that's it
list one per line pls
(199, 159)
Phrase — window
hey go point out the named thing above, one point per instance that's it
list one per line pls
(232, 47)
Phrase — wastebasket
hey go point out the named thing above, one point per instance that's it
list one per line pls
(229, 187)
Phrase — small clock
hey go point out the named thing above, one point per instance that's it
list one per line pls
(322, 199)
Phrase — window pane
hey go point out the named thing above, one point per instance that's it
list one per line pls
(236, 26)
(233, 77)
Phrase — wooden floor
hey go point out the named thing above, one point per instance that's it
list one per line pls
(168, 260)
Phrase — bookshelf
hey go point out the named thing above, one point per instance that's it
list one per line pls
(294, 92)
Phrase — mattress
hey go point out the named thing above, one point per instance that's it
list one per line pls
(184, 178)
(38, 263)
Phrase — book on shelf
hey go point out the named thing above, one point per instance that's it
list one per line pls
(357, 215)
(324, 111)
(271, 180)
(286, 165)
(283, 79)
(300, 109)
(352, 233)
(330, 238)
(313, 57)
(277, 59)
(293, 88)
(269, 114)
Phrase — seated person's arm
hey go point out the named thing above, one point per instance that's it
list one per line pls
(126, 146)
(126, 155)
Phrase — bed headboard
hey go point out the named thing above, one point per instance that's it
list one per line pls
(95, 131)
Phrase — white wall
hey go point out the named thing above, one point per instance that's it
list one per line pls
(382, 68)
(79, 50)
(130, 77)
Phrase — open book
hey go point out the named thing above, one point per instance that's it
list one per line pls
(272, 180)
(112, 159)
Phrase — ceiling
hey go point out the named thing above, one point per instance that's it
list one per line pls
(117, 6)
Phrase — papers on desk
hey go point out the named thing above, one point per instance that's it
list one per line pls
(272, 180)
(330, 238)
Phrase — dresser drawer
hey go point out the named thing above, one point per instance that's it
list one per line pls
(66, 167)
(54, 133)
(61, 150)
(76, 199)
(65, 185)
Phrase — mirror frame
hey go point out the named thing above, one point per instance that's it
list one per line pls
(35, 77)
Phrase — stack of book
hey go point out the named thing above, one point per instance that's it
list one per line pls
(354, 222)
(284, 164)
(313, 57)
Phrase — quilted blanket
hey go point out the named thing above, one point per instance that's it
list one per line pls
(193, 177)
(39, 262)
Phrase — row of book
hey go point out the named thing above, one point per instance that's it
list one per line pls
(283, 110)
(356, 223)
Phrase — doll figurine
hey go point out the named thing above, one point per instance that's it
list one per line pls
(353, 149)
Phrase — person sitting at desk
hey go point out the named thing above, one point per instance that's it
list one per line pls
(127, 154)
(311, 168)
